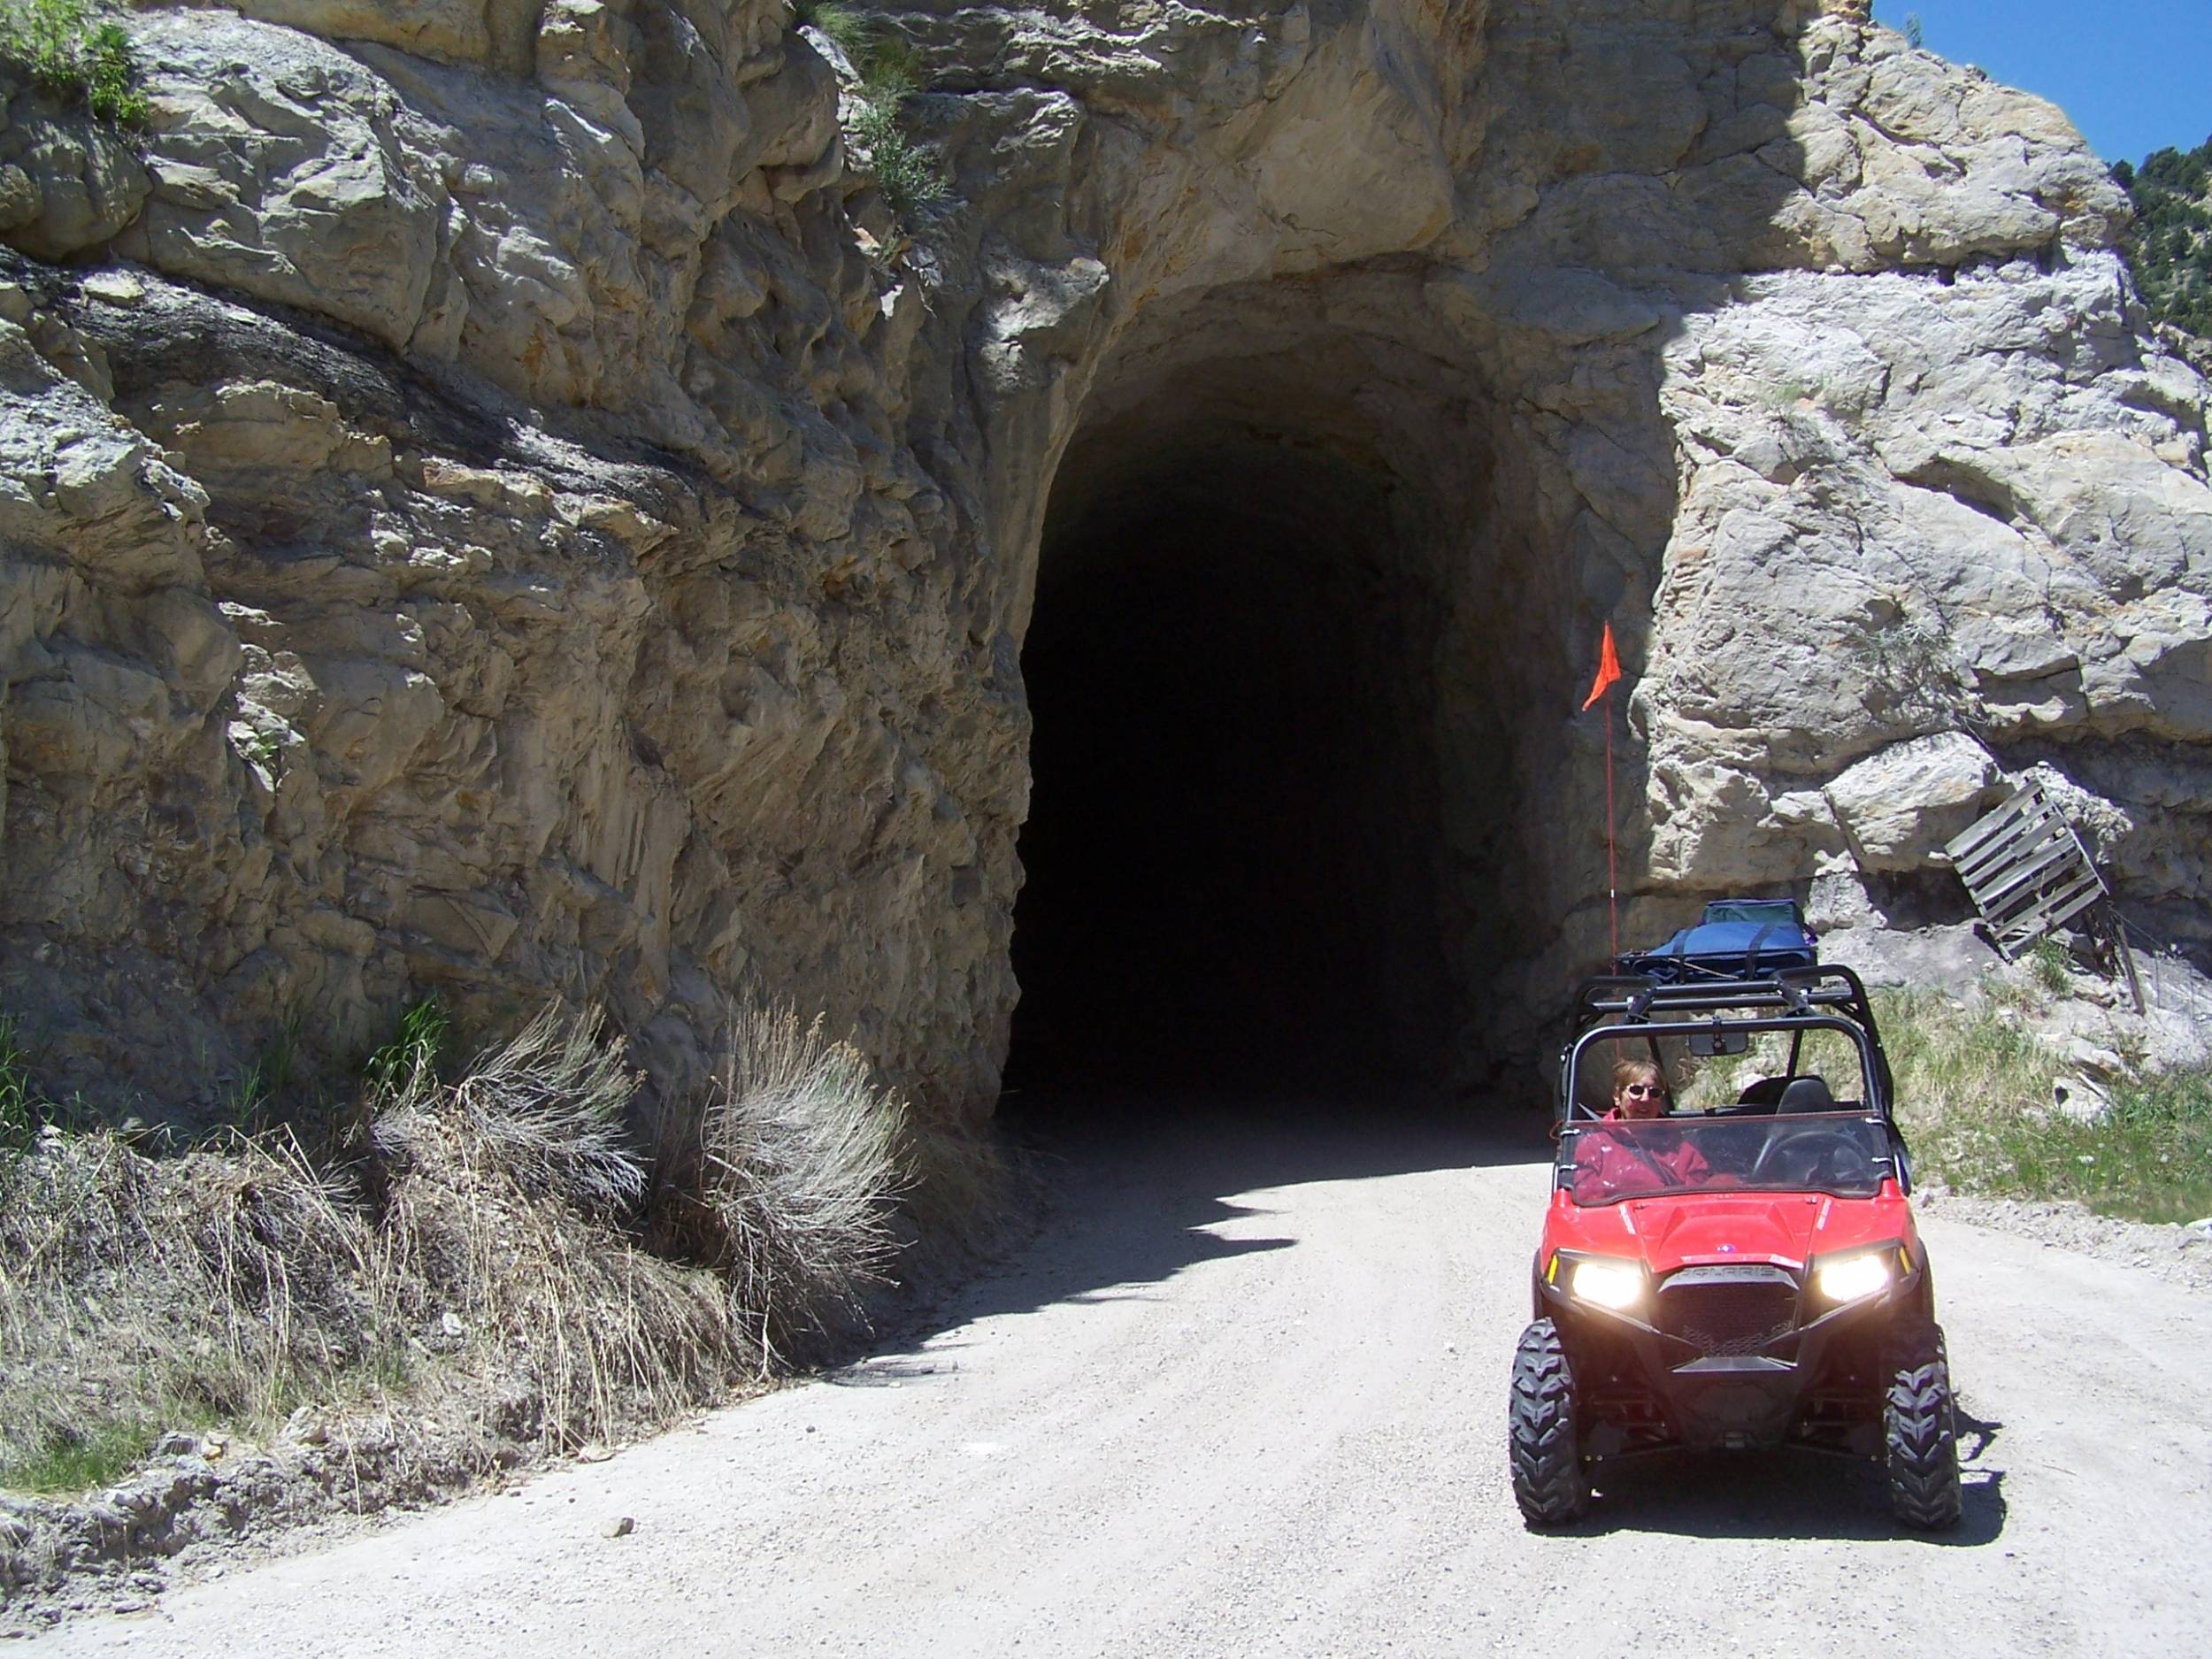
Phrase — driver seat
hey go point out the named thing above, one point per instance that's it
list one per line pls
(1807, 1094)
(1760, 1097)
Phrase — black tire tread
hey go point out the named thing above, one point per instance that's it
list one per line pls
(1549, 1480)
(1920, 1432)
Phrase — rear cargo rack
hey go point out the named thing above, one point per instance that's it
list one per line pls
(1639, 996)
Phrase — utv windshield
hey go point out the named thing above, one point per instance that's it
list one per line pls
(1842, 1153)
(1805, 1063)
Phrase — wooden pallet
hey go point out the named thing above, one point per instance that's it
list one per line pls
(2026, 870)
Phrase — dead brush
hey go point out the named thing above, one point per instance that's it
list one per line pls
(548, 1107)
(139, 1294)
(496, 1248)
(786, 1180)
(498, 1282)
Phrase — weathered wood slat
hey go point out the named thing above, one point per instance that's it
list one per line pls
(1992, 825)
(2031, 864)
(2025, 869)
(2051, 908)
(2025, 825)
(1992, 865)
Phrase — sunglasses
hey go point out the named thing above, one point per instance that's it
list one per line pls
(1641, 1089)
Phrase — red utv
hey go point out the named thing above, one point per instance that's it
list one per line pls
(1742, 1275)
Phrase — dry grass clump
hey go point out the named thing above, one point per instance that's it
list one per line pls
(495, 1251)
(784, 1183)
(496, 1273)
(139, 1294)
(546, 1110)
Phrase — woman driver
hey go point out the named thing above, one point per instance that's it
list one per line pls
(1637, 1091)
(1642, 1160)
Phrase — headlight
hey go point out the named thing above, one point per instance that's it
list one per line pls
(1609, 1284)
(1852, 1277)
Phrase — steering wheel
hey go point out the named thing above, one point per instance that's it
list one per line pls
(1793, 1141)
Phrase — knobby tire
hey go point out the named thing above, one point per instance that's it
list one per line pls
(1549, 1480)
(1920, 1433)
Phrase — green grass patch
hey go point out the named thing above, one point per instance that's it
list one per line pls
(1975, 1093)
(18, 1102)
(846, 28)
(417, 1047)
(77, 1459)
(2047, 966)
(75, 53)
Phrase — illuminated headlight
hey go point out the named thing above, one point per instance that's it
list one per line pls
(1609, 1284)
(1852, 1277)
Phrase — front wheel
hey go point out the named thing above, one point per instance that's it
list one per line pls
(1920, 1437)
(1549, 1482)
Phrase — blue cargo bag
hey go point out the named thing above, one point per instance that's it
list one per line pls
(1739, 938)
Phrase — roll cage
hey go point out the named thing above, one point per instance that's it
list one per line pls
(1826, 997)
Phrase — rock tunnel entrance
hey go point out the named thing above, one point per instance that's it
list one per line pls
(1247, 861)
(1232, 855)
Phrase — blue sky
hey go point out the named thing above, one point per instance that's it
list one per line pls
(2135, 75)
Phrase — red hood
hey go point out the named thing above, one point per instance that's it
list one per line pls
(1750, 1228)
(1685, 1229)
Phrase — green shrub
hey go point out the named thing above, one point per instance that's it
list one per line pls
(1975, 1091)
(890, 73)
(75, 54)
(845, 28)
(2170, 241)
(908, 174)
(19, 1103)
(416, 1049)
(111, 72)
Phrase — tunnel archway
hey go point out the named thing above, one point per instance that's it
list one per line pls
(1254, 859)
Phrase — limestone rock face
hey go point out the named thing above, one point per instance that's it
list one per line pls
(491, 502)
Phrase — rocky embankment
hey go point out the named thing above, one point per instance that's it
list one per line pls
(497, 503)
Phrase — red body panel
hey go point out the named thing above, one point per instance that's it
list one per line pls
(1668, 1230)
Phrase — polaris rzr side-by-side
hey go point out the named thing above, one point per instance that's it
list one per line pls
(1729, 1261)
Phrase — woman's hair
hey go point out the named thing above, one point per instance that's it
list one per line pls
(1627, 1072)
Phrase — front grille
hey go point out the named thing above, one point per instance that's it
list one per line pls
(1728, 1310)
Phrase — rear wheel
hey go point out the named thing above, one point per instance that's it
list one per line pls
(1919, 1434)
(1549, 1482)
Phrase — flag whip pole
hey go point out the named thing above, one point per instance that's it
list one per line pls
(1601, 692)
(1612, 876)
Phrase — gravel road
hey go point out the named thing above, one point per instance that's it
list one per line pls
(1246, 1395)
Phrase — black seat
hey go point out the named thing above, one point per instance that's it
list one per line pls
(1807, 1094)
(1765, 1095)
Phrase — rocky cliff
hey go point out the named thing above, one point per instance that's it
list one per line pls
(493, 502)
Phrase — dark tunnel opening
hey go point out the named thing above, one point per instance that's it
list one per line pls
(1232, 856)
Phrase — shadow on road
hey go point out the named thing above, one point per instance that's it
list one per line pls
(1137, 1188)
(1789, 1496)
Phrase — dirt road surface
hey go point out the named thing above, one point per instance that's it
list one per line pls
(1245, 1396)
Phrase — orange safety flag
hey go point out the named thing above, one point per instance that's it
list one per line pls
(1609, 668)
